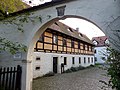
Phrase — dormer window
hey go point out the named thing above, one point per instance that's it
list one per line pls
(70, 30)
(56, 24)
(80, 34)
(95, 42)
(107, 42)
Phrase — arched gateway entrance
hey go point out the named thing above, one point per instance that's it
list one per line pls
(45, 26)
(99, 12)
(40, 31)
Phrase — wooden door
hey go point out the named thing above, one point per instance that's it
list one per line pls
(55, 62)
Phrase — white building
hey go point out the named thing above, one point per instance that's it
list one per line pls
(60, 44)
(101, 43)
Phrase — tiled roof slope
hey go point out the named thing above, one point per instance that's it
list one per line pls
(100, 40)
(58, 26)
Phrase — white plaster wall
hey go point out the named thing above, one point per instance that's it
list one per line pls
(101, 52)
(94, 11)
(46, 62)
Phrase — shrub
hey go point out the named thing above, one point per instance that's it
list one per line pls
(92, 65)
(74, 69)
(113, 70)
(68, 71)
(49, 74)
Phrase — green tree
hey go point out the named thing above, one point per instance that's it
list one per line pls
(6, 45)
(6, 7)
(10, 6)
(114, 69)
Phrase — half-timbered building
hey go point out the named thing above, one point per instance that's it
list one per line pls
(61, 45)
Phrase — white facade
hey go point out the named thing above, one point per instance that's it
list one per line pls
(46, 62)
(101, 54)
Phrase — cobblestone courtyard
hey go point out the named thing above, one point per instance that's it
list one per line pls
(87, 79)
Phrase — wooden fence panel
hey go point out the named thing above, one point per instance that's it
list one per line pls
(10, 78)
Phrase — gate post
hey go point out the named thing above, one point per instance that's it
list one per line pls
(26, 82)
(18, 78)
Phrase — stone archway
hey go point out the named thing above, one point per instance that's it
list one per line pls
(101, 12)
(45, 26)
(41, 30)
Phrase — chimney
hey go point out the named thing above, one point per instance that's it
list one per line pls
(77, 29)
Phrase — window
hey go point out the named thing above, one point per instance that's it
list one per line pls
(107, 42)
(83, 46)
(84, 60)
(56, 24)
(95, 51)
(95, 58)
(91, 48)
(81, 34)
(55, 39)
(95, 42)
(73, 60)
(72, 44)
(103, 58)
(37, 58)
(78, 45)
(61, 10)
(88, 60)
(88, 47)
(79, 60)
(70, 30)
(41, 38)
(65, 60)
(92, 59)
(37, 68)
(64, 42)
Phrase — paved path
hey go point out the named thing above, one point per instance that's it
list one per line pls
(87, 79)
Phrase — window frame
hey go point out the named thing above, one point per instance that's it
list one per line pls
(72, 44)
(65, 60)
(79, 60)
(88, 59)
(64, 42)
(73, 60)
(84, 60)
(55, 39)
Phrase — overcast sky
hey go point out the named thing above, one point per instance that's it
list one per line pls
(85, 27)
(36, 2)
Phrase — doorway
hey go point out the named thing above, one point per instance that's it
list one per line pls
(55, 62)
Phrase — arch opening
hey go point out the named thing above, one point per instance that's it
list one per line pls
(39, 32)
(49, 23)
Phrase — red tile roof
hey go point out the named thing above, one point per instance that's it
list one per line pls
(100, 40)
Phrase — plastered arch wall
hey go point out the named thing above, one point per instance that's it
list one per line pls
(101, 12)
